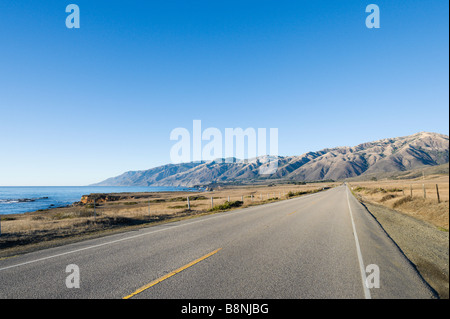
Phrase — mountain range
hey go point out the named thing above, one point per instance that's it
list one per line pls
(387, 155)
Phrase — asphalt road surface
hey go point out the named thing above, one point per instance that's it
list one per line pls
(324, 245)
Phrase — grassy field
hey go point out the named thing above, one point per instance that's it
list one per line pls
(415, 197)
(46, 228)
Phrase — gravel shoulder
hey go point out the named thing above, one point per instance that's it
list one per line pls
(425, 245)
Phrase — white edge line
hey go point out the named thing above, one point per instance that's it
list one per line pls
(102, 244)
(358, 252)
(132, 237)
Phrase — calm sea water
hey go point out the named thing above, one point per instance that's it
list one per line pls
(18, 200)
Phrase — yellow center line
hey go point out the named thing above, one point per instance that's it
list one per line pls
(154, 282)
(291, 213)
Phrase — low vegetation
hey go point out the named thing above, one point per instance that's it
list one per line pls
(417, 198)
(300, 193)
(228, 205)
(53, 226)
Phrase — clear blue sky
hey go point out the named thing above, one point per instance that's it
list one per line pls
(80, 105)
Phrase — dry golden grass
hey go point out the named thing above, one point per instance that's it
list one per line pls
(49, 227)
(417, 198)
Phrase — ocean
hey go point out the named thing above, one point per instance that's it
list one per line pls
(22, 199)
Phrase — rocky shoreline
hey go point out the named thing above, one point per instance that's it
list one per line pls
(22, 200)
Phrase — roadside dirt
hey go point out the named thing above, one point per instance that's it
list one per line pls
(424, 244)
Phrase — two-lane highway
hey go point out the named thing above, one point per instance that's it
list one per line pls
(316, 246)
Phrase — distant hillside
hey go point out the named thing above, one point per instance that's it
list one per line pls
(387, 155)
(404, 175)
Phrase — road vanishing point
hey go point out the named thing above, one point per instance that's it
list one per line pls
(318, 246)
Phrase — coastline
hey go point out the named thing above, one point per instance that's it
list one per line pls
(26, 199)
(119, 212)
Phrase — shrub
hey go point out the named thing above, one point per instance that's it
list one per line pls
(184, 198)
(180, 206)
(394, 190)
(228, 205)
(159, 200)
(92, 205)
(293, 194)
(375, 190)
(387, 197)
(402, 201)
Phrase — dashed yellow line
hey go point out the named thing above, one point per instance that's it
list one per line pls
(154, 282)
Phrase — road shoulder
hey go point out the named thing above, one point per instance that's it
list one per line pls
(423, 244)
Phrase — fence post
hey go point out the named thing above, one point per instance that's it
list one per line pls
(437, 191)
(424, 191)
(242, 198)
(228, 198)
(95, 214)
(188, 203)
(149, 208)
(212, 203)
(410, 188)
